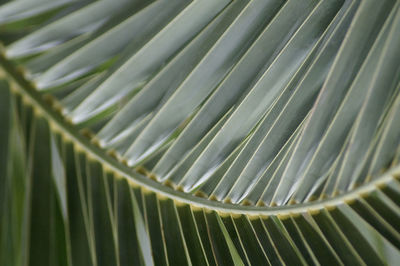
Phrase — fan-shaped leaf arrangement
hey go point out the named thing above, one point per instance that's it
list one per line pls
(204, 132)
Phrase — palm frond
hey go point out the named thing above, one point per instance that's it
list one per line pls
(200, 132)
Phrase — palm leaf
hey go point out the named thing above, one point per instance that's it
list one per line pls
(199, 132)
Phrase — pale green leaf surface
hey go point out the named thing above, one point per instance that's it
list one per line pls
(167, 132)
